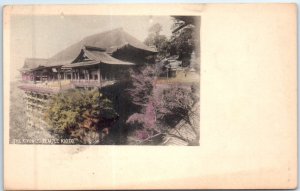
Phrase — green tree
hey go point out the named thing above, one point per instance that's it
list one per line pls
(184, 42)
(155, 39)
(83, 115)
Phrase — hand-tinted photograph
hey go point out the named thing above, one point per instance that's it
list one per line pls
(105, 80)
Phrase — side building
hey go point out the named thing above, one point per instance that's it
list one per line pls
(94, 62)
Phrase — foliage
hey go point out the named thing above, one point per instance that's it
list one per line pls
(143, 81)
(155, 28)
(123, 105)
(146, 119)
(162, 107)
(184, 42)
(177, 103)
(81, 114)
(181, 42)
(160, 42)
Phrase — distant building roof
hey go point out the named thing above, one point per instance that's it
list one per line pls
(31, 63)
(173, 64)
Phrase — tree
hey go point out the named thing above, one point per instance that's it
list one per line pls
(160, 42)
(185, 38)
(184, 43)
(155, 29)
(179, 104)
(141, 92)
(162, 108)
(83, 115)
(143, 82)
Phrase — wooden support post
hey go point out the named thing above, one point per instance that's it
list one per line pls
(59, 77)
(85, 75)
(99, 75)
(78, 74)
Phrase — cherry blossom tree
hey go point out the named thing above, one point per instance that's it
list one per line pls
(161, 107)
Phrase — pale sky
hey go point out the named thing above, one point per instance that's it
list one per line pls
(44, 36)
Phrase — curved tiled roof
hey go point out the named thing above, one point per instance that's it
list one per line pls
(105, 58)
(97, 57)
(109, 40)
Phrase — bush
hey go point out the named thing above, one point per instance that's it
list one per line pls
(83, 115)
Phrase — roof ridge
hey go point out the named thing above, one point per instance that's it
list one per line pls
(103, 32)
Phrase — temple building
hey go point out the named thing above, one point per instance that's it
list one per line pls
(94, 62)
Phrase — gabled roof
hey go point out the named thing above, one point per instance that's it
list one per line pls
(95, 57)
(103, 57)
(109, 40)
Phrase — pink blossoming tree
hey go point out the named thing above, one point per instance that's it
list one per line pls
(162, 107)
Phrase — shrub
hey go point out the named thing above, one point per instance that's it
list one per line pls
(83, 115)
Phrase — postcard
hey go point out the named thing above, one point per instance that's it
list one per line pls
(148, 96)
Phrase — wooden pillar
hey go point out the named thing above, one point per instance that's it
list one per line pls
(59, 77)
(32, 75)
(78, 74)
(83, 71)
(99, 75)
(85, 74)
